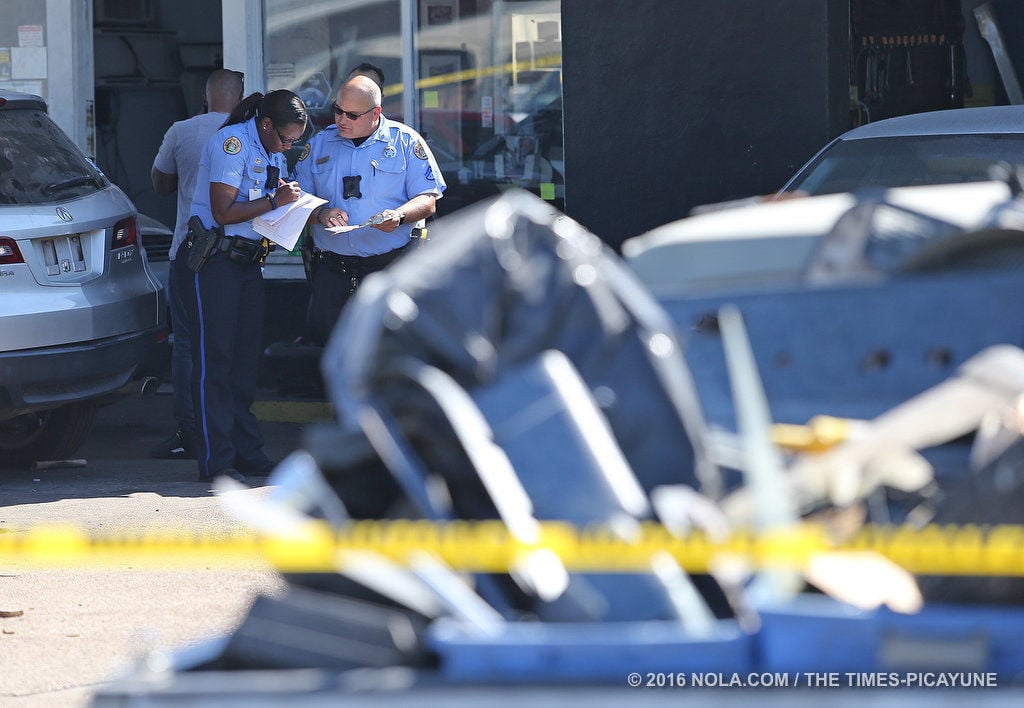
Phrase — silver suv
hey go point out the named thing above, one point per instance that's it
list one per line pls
(79, 306)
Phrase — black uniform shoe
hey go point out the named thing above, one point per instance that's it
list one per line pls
(226, 472)
(260, 468)
(232, 473)
(177, 447)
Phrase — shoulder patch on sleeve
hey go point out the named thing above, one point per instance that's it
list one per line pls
(232, 145)
(420, 150)
(305, 152)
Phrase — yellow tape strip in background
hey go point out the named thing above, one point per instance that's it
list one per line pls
(487, 546)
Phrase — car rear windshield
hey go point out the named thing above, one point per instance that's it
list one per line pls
(904, 161)
(39, 163)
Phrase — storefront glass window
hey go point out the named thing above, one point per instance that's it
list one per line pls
(23, 47)
(488, 83)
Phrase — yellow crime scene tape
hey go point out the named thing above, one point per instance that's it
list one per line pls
(487, 546)
(550, 62)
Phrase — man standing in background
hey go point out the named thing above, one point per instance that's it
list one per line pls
(370, 71)
(174, 168)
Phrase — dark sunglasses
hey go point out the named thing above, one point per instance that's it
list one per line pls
(284, 140)
(348, 114)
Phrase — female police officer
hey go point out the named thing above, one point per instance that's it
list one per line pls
(239, 179)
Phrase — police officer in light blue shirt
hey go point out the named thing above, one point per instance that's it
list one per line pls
(377, 175)
(240, 178)
(237, 158)
(174, 169)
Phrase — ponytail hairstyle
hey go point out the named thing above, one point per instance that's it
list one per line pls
(246, 109)
(282, 107)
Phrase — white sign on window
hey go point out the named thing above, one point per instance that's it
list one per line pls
(30, 35)
(28, 63)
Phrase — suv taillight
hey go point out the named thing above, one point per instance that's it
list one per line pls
(126, 233)
(9, 252)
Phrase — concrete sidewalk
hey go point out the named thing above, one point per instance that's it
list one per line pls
(65, 631)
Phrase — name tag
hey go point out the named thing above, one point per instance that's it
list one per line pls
(255, 194)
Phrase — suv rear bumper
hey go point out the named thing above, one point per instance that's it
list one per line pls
(47, 377)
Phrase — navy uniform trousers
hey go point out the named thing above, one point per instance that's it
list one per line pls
(226, 304)
(334, 281)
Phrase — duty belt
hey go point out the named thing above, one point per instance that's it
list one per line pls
(239, 249)
(356, 266)
(246, 251)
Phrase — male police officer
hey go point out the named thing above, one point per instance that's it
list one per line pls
(377, 175)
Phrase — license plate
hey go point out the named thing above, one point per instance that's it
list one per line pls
(64, 255)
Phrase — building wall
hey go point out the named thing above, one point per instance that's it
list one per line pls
(148, 75)
(669, 105)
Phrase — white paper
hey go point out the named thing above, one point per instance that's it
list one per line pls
(344, 229)
(275, 215)
(373, 221)
(284, 224)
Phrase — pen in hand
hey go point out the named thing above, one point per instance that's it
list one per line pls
(293, 186)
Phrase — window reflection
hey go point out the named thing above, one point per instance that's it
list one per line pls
(489, 87)
(23, 40)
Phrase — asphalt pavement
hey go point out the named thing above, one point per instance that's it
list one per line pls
(65, 631)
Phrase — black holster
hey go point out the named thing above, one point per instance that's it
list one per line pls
(202, 243)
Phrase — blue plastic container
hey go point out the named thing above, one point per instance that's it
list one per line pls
(592, 652)
(818, 634)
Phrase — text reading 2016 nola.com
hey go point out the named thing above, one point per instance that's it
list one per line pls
(815, 679)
